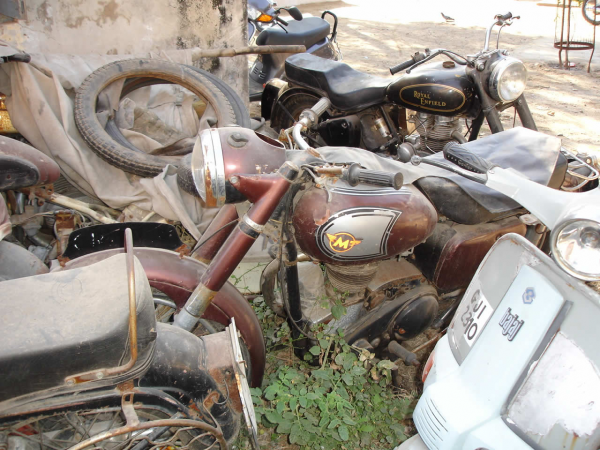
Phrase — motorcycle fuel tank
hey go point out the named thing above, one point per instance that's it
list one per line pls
(356, 225)
(437, 88)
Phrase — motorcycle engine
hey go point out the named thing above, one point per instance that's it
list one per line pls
(433, 132)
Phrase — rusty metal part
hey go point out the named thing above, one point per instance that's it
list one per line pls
(187, 423)
(133, 344)
(198, 52)
(433, 340)
(177, 277)
(63, 227)
(194, 307)
(6, 126)
(213, 239)
(351, 278)
(332, 170)
(183, 250)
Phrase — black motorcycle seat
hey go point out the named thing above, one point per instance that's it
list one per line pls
(533, 154)
(64, 323)
(348, 89)
(307, 32)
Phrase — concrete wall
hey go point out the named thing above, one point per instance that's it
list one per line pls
(134, 26)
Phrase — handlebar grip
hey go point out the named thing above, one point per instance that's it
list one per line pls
(506, 16)
(357, 175)
(19, 57)
(400, 67)
(281, 21)
(465, 159)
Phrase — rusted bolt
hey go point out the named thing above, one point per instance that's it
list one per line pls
(401, 330)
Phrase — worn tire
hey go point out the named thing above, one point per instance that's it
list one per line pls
(128, 159)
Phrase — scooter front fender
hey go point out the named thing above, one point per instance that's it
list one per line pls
(177, 277)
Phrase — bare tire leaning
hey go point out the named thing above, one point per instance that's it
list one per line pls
(124, 157)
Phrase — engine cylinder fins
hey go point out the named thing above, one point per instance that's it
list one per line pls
(435, 131)
(351, 279)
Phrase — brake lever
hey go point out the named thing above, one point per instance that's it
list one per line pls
(481, 179)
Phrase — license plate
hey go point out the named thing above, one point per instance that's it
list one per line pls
(474, 317)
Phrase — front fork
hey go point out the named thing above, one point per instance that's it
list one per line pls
(264, 192)
(491, 114)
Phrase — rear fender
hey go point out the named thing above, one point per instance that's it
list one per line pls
(274, 88)
(177, 277)
(284, 94)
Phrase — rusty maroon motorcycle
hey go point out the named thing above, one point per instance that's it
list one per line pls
(396, 244)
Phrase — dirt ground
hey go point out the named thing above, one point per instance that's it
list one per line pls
(376, 34)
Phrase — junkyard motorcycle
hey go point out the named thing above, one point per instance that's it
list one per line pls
(371, 112)
(34, 230)
(392, 251)
(84, 363)
(266, 27)
(518, 366)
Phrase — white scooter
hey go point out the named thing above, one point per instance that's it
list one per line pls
(519, 366)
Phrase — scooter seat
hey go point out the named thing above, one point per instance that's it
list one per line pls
(65, 323)
(533, 154)
(348, 89)
(307, 32)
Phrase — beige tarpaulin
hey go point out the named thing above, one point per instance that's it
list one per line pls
(40, 98)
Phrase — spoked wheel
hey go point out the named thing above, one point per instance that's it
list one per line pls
(591, 11)
(107, 429)
(289, 111)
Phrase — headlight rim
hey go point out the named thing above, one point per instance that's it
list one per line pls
(556, 256)
(212, 172)
(500, 67)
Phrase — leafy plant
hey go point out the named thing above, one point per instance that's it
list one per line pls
(345, 402)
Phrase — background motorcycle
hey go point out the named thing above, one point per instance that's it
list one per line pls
(385, 254)
(417, 113)
(518, 367)
(266, 27)
(84, 363)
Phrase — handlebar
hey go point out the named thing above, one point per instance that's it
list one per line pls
(355, 175)
(458, 155)
(19, 57)
(506, 16)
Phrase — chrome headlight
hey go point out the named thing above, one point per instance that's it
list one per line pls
(208, 169)
(575, 246)
(508, 80)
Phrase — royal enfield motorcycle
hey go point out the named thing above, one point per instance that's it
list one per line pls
(518, 367)
(85, 364)
(395, 243)
(266, 27)
(416, 113)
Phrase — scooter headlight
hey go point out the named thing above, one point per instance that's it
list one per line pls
(575, 246)
(208, 169)
(508, 80)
